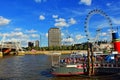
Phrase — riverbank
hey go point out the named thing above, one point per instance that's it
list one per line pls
(50, 52)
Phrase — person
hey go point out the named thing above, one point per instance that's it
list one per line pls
(62, 61)
(85, 57)
(74, 60)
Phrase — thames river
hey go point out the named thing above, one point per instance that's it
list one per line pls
(36, 67)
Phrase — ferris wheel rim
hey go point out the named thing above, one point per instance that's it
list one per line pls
(89, 15)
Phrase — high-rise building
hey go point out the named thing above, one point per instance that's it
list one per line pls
(54, 37)
(37, 43)
(30, 44)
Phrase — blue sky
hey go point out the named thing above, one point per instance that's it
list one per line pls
(30, 20)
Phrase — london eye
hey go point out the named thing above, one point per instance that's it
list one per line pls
(98, 30)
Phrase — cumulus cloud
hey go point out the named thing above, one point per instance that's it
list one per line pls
(17, 33)
(41, 17)
(34, 35)
(39, 1)
(31, 31)
(86, 2)
(55, 16)
(22, 37)
(17, 29)
(68, 40)
(72, 21)
(78, 37)
(4, 21)
(18, 36)
(104, 34)
(62, 34)
(14, 35)
(61, 22)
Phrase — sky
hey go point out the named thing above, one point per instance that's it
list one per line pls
(30, 20)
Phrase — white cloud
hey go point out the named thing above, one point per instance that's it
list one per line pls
(55, 16)
(41, 17)
(86, 2)
(62, 34)
(61, 22)
(78, 37)
(17, 33)
(39, 1)
(19, 36)
(11, 34)
(68, 40)
(14, 34)
(31, 31)
(34, 35)
(17, 29)
(72, 21)
(4, 21)
(104, 34)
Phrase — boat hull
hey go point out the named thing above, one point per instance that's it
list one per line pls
(70, 71)
(109, 70)
(67, 71)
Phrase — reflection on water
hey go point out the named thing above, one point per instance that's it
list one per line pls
(35, 67)
(26, 67)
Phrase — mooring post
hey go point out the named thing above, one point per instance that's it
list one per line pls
(92, 59)
(88, 63)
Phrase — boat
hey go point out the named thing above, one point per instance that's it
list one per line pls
(68, 66)
(77, 64)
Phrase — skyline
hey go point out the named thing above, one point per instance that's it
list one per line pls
(23, 20)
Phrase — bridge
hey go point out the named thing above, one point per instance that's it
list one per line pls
(10, 48)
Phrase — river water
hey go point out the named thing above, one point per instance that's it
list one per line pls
(36, 67)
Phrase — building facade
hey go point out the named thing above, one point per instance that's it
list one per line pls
(54, 37)
(30, 44)
(37, 43)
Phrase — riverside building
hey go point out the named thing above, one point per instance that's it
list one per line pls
(54, 37)
(37, 43)
(30, 44)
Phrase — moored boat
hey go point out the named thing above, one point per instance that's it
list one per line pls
(77, 65)
(68, 66)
